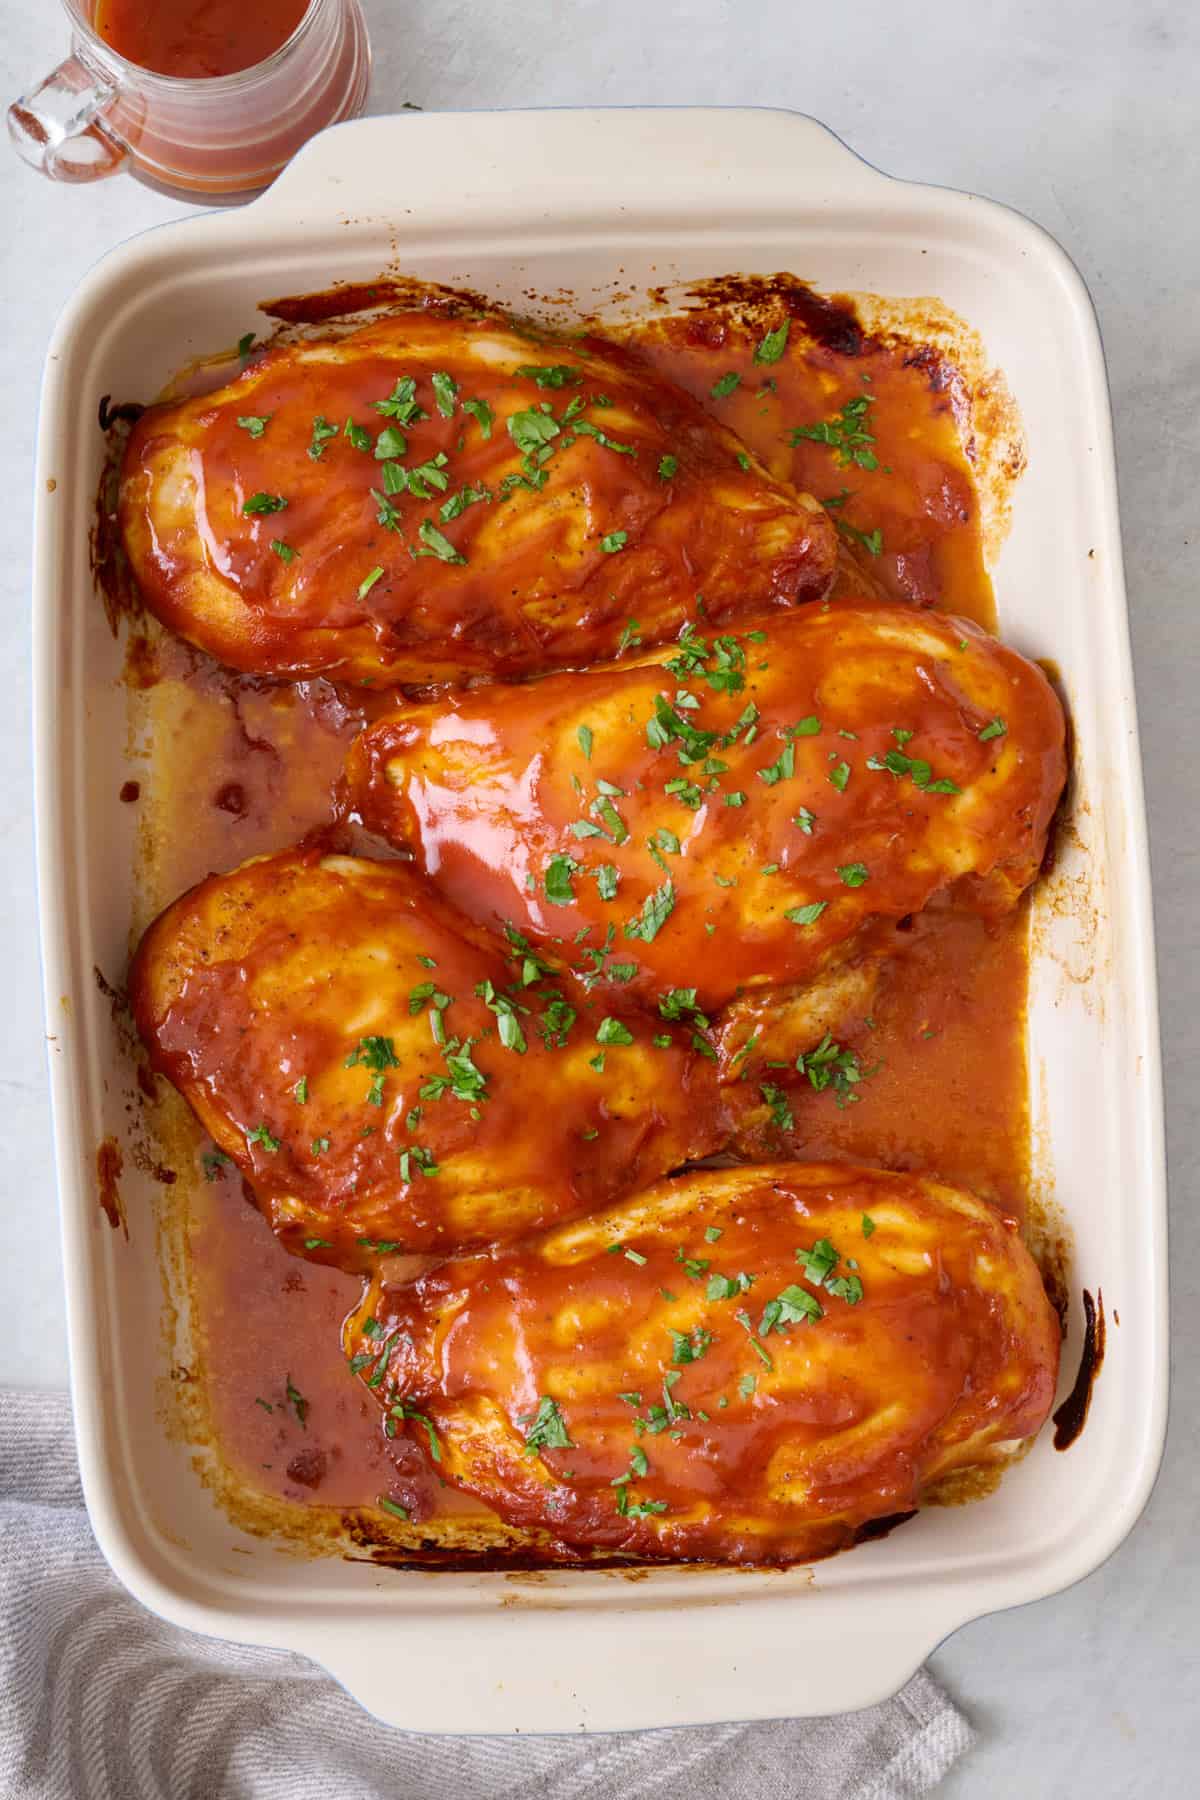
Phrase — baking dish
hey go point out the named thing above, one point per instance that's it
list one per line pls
(526, 203)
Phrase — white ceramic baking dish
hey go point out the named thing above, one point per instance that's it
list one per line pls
(534, 202)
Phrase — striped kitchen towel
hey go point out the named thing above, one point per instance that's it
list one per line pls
(101, 1700)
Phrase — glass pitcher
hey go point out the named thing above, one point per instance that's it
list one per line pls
(214, 138)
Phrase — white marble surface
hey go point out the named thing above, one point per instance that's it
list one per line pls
(1082, 113)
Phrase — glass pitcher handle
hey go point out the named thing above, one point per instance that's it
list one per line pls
(58, 127)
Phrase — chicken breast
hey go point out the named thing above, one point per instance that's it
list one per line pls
(385, 1078)
(750, 1365)
(436, 497)
(729, 814)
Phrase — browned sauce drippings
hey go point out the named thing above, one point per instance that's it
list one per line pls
(1071, 1416)
(109, 1164)
(243, 765)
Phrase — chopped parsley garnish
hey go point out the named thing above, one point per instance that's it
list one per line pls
(300, 1091)
(255, 423)
(586, 740)
(690, 1346)
(557, 880)
(482, 414)
(607, 879)
(555, 1023)
(747, 1385)
(782, 768)
(458, 503)
(805, 820)
(404, 1409)
(896, 763)
(401, 403)
(391, 1506)
(996, 729)
(774, 344)
(853, 874)
(262, 1135)
(677, 1003)
(839, 776)
(614, 541)
(508, 1023)
(435, 544)
(445, 392)
(725, 385)
(809, 726)
(713, 1234)
(668, 467)
(868, 1225)
(629, 638)
(298, 1402)
(747, 1325)
(793, 1306)
(847, 434)
(584, 428)
(273, 503)
(555, 375)
(806, 915)
(830, 1065)
(427, 475)
(819, 1262)
(870, 541)
(728, 1287)
(777, 1100)
(388, 516)
(368, 581)
(245, 345)
(213, 1161)
(374, 1053)
(319, 1146)
(604, 809)
(532, 431)
(283, 551)
(637, 1509)
(322, 431)
(656, 910)
(547, 1428)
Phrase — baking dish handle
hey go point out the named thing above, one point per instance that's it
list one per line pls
(677, 159)
(612, 1668)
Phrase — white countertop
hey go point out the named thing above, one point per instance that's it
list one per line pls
(1081, 113)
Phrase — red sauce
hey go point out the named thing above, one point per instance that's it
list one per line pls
(947, 1028)
(196, 38)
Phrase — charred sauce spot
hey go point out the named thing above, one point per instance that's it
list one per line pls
(308, 1467)
(141, 662)
(354, 297)
(128, 412)
(880, 1528)
(116, 997)
(231, 798)
(1071, 1416)
(828, 319)
(130, 791)
(109, 1164)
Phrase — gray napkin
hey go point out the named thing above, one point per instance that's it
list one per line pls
(101, 1700)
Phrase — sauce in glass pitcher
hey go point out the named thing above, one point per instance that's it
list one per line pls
(196, 38)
